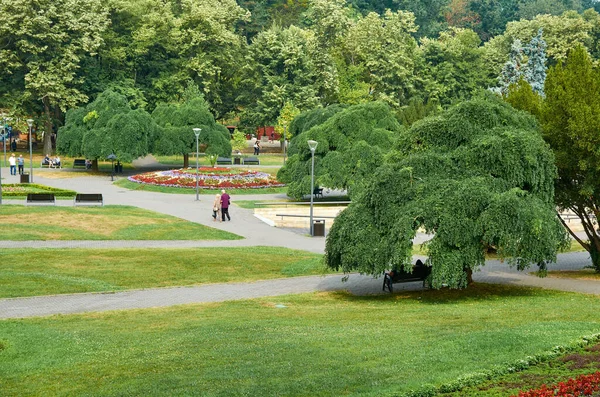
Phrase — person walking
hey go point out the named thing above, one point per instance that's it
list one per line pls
(13, 164)
(225, 201)
(20, 163)
(217, 208)
(256, 148)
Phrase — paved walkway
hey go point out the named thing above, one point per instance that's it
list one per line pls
(243, 223)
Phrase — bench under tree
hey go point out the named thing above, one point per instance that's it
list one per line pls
(420, 272)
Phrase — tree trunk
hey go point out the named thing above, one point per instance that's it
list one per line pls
(469, 273)
(47, 127)
(186, 160)
(589, 227)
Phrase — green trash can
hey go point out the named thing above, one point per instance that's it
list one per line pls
(24, 177)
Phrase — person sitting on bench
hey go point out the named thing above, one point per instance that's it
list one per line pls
(56, 162)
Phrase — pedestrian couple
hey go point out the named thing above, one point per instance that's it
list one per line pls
(221, 205)
(13, 161)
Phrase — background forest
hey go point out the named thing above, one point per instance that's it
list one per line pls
(261, 62)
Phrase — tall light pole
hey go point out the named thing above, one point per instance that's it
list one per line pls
(312, 145)
(4, 130)
(197, 133)
(30, 124)
(284, 129)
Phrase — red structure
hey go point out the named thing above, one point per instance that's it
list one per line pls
(267, 131)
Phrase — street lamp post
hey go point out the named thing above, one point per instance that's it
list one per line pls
(4, 132)
(312, 145)
(197, 133)
(112, 157)
(284, 148)
(30, 124)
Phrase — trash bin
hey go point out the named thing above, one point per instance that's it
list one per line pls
(237, 160)
(24, 177)
(319, 227)
(118, 168)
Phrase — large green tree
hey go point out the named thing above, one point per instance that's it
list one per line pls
(476, 176)
(352, 143)
(571, 125)
(106, 126)
(176, 134)
(43, 43)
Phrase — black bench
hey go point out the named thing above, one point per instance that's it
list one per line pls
(251, 160)
(420, 272)
(40, 198)
(223, 160)
(45, 163)
(88, 198)
(79, 163)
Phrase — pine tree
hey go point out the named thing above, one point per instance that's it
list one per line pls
(535, 70)
(512, 70)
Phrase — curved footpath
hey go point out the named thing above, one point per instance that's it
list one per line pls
(255, 233)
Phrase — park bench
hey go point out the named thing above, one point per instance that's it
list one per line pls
(420, 272)
(251, 161)
(79, 163)
(40, 198)
(318, 191)
(223, 161)
(45, 163)
(88, 198)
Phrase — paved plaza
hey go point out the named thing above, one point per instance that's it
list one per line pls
(255, 233)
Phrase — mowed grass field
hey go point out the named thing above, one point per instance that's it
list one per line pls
(322, 344)
(34, 272)
(99, 223)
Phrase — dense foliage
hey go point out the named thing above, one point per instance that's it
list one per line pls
(256, 60)
(351, 145)
(477, 176)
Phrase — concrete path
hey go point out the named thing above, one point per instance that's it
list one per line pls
(243, 223)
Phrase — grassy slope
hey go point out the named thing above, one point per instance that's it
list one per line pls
(326, 344)
(99, 223)
(26, 272)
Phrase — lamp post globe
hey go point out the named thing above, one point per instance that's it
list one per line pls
(197, 133)
(312, 145)
(30, 124)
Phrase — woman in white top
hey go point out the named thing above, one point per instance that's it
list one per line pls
(217, 208)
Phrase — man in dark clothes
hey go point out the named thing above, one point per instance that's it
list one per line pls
(225, 205)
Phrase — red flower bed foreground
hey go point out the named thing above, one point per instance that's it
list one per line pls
(583, 385)
(208, 178)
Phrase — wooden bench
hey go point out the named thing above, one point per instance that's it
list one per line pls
(223, 161)
(251, 161)
(88, 198)
(79, 163)
(420, 272)
(40, 198)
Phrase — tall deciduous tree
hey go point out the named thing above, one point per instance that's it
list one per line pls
(571, 125)
(43, 43)
(477, 175)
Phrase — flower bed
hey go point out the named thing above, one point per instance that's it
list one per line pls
(208, 178)
(21, 190)
(583, 385)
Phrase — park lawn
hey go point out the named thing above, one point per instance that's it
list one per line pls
(111, 222)
(321, 344)
(34, 272)
(127, 184)
(177, 160)
(583, 274)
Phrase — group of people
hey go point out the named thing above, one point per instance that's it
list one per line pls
(221, 207)
(52, 162)
(14, 162)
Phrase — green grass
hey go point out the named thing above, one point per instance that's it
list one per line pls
(326, 344)
(28, 272)
(23, 189)
(111, 222)
(177, 160)
(125, 183)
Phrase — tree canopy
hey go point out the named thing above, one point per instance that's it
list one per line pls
(352, 143)
(478, 175)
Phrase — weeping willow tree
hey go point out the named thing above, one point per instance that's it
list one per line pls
(478, 175)
(352, 143)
